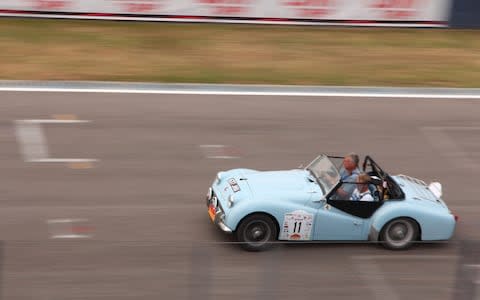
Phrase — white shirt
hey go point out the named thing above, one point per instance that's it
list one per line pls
(365, 196)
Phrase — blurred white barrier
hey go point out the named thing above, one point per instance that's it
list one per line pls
(346, 12)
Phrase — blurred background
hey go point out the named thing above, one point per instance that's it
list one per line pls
(102, 194)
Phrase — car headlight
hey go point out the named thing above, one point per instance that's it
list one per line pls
(231, 201)
(209, 194)
(219, 177)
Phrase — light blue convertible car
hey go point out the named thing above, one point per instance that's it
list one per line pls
(304, 205)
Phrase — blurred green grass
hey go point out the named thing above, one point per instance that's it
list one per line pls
(212, 53)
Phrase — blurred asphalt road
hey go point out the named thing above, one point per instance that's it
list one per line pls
(143, 201)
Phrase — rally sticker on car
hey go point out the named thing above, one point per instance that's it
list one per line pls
(234, 185)
(297, 226)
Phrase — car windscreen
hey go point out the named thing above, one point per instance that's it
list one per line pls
(325, 172)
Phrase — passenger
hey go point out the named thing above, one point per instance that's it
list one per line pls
(362, 192)
(348, 174)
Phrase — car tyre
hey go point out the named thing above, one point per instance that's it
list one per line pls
(257, 232)
(399, 234)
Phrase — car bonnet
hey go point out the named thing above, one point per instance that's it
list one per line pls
(291, 184)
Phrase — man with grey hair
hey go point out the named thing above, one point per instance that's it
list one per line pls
(348, 174)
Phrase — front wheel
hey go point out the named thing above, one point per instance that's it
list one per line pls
(257, 232)
(399, 234)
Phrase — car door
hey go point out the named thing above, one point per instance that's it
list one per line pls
(332, 223)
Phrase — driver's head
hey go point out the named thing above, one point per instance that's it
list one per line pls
(350, 161)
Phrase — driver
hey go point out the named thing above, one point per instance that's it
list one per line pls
(348, 174)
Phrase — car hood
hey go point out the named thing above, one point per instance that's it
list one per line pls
(293, 185)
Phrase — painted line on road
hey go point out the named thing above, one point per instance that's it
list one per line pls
(80, 165)
(69, 228)
(472, 266)
(220, 151)
(64, 117)
(51, 121)
(70, 236)
(417, 256)
(63, 160)
(249, 93)
(238, 90)
(222, 157)
(466, 128)
(476, 280)
(54, 221)
(33, 143)
(31, 139)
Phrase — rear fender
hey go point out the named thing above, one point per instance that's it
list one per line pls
(433, 224)
(387, 213)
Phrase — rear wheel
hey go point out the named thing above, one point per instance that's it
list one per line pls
(257, 232)
(399, 234)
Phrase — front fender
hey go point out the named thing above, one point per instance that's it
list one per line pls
(244, 208)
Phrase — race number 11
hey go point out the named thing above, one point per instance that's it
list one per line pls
(297, 225)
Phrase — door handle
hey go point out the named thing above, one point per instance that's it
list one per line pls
(357, 223)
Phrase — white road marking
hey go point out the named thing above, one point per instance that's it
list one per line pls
(31, 138)
(443, 142)
(51, 121)
(63, 160)
(33, 144)
(239, 90)
(67, 228)
(212, 146)
(54, 221)
(105, 209)
(218, 151)
(466, 128)
(407, 256)
(475, 280)
(472, 265)
(70, 236)
(245, 93)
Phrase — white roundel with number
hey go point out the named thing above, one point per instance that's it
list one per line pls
(297, 226)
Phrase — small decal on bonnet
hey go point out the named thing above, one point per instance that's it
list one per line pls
(297, 225)
(234, 185)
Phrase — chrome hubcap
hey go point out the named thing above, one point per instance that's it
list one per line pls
(257, 232)
(400, 233)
